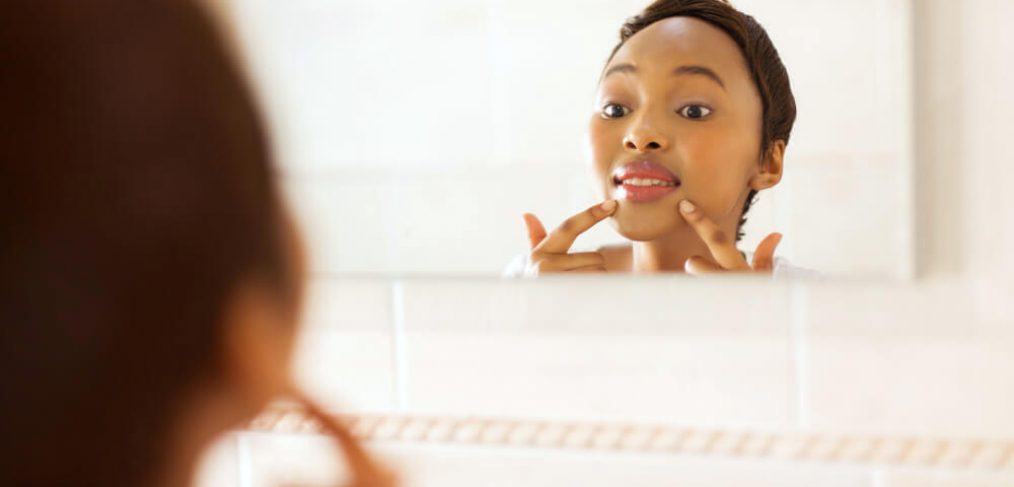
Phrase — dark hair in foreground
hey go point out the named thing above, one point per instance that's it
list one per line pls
(135, 192)
(762, 60)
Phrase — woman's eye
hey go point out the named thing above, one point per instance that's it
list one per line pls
(694, 112)
(613, 110)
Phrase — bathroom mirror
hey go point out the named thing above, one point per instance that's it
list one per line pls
(413, 135)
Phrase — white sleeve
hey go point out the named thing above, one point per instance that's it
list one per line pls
(784, 269)
(516, 267)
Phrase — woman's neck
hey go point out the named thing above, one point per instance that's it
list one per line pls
(669, 252)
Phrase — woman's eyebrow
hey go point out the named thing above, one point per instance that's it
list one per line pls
(699, 70)
(680, 71)
(620, 68)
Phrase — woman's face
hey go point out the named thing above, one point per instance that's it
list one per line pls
(677, 116)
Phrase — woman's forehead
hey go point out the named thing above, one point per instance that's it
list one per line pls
(675, 41)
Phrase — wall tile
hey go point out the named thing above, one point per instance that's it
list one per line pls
(346, 227)
(865, 308)
(847, 218)
(734, 305)
(352, 84)
(271, 460)
(943, 478)
(643, 349)
(347, 304)
(544, 82)
(893, 359)
(219, 464)
(449, 466)
(985, 152)
(344, 352)
(869, 72)
(466, 223)
(914, 386)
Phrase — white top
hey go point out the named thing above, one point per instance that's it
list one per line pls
(782, 267)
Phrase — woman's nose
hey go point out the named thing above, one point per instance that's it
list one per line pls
(644, 139)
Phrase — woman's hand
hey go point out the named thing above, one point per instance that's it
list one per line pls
(723, 247)
(550, 253)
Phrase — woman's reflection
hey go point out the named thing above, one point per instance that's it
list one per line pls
(692, 116)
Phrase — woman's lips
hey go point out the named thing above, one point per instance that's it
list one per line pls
(644, 181)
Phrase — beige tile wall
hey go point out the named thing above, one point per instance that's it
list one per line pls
(510, 349)
(854, 358)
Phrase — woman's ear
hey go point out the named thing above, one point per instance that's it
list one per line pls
(258, 337)
(770, 172)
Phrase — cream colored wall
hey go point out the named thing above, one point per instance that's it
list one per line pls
(964, 53)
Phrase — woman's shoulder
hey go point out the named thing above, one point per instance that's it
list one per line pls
(516, 267)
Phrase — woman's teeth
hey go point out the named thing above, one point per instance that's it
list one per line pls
(646, 182)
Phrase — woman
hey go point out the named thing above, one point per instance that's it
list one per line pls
(151, 277)
(693, 113)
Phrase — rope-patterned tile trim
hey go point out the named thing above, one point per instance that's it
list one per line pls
(790, 446)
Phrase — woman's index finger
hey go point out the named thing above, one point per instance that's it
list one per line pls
(719, 242)
(563, 236)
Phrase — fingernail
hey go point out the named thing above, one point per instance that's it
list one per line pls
(608, 205)
(687, 207)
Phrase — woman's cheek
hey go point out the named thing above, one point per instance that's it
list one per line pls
(720, 204)
(712, 183)
(601, 139)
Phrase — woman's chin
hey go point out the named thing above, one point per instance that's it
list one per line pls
(644, 226)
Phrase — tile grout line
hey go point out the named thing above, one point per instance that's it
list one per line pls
(909, 265)
(244, 467)
(800, 353)
(398, 353)
(879, 478)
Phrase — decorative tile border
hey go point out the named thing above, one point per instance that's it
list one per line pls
(797, 446)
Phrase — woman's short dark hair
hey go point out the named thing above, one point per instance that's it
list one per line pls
(762, 60)
(135, 192)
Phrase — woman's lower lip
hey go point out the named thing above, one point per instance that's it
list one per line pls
(642, 194)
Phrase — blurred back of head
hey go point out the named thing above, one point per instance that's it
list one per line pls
(135, 192)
